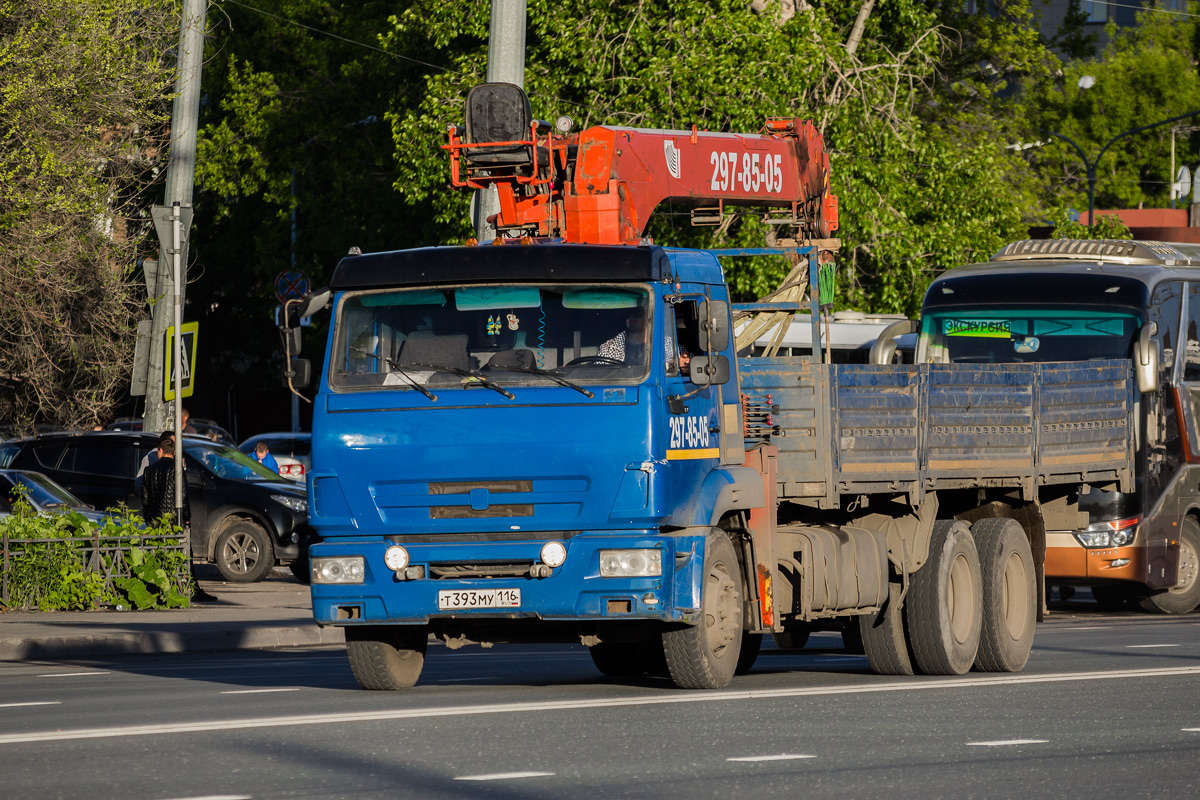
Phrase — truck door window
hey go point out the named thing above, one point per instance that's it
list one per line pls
(681, 337)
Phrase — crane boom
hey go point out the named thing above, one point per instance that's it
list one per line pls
(601, 185)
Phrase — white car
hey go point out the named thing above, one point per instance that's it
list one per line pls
(293, 451)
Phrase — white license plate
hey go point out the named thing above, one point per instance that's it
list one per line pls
(479, 598)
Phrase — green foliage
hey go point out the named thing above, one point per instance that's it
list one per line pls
(84, 91)
(1146, 74)
(55, 565)
(1108, 226)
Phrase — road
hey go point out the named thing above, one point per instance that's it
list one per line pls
(1109, 706)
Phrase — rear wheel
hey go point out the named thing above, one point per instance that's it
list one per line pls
(617, 659)
(852, 637)
(1009, 595)
(244, 552)
(705, 655)
(386, 657)
(1185, 595)
(751, 644)
(883, 637)
(944, 603)
(791, 638)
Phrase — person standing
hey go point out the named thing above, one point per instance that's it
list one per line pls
(184, 416)
(158, 501)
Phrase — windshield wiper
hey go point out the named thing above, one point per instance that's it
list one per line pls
(399, 369)
(480, 379)
(554, 376)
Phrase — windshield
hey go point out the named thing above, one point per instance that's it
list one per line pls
(454, 336)
(226, 461)
(1005, 335)
(42, 492)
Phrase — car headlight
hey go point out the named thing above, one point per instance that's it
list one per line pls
(341, 569)
(298, 504)
(630, 563)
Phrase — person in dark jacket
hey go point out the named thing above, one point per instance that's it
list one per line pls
(158, 485)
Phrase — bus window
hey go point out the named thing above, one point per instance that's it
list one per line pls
(1009, 334)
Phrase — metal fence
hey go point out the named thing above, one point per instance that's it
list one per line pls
(107, 556)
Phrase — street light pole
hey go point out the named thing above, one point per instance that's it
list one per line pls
(1091, 165)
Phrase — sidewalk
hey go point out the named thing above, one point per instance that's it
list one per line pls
(272, 613)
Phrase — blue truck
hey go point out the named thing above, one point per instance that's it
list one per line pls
(539, 440)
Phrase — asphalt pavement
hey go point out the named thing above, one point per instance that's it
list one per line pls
(275, 612)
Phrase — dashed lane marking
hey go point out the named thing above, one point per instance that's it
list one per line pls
(69, 674)
(40, 703)
(780, 757)
(1147, 646)
(262, 691)
(1007, 742)
(503, 776)
(216, 797)
(959, 683)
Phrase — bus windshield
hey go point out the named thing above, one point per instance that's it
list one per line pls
(1008, 334)
(459, 336)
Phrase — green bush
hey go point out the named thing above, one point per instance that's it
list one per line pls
(66, 562)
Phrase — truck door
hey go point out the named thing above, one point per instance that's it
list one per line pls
(693, 412)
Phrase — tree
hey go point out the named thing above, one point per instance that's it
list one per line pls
(84, 90)
(1146, 73)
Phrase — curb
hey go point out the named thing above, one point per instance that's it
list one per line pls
(213, 639)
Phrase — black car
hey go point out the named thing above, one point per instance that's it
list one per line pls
(244, 518)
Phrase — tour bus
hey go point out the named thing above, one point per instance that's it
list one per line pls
(1073, 300)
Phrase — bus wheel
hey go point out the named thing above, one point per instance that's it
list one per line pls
(944, 602)
(1009, 595)
(705, 655)
(386, 657)
(1185, 595)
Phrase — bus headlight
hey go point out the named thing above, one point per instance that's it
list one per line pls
(1114, 533)
(630, 563)
(342, 569)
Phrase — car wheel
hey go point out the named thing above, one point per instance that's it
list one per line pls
(244, 552)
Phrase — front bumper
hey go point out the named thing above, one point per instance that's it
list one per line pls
(573, 592)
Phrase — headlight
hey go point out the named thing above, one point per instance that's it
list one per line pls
(298, 504)
(1114, 533)
(344, 569)
(630, 563)
(554, 554)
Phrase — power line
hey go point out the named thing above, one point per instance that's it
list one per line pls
(1155, 9)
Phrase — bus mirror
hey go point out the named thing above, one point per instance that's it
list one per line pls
(313, 302)
(704, 371)
(714, 325)
(885, 345)
(1145, 359)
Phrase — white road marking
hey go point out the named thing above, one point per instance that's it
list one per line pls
(780, 757)
(464, 680)
(970, 681)
(1145, 646)
(1087, 628)
(216, 797)
(1193, 730)
(262, 691)
(42, 703)
(503, 776)
(69, 674)
(1007, 742)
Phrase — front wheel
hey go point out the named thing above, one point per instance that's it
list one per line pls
(1185, 595)
(617, 659)
(386, 657)
(705, 655)
(244, 552)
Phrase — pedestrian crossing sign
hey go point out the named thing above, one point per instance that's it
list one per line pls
(186, 348)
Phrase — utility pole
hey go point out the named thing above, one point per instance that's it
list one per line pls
(506, 64)
(181, 169)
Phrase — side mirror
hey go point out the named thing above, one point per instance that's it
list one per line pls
(1145, 359)
(885, 345)
(704, 371)
(714, 325)
(300, 371)
(313, 302)
(291, 340)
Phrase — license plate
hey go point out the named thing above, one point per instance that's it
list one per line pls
(479, 598)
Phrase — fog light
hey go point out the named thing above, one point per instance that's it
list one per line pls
(630, 563)
(345, 569)
(554, 554)
(1120, 562)
(396, 558)
(295, 538)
